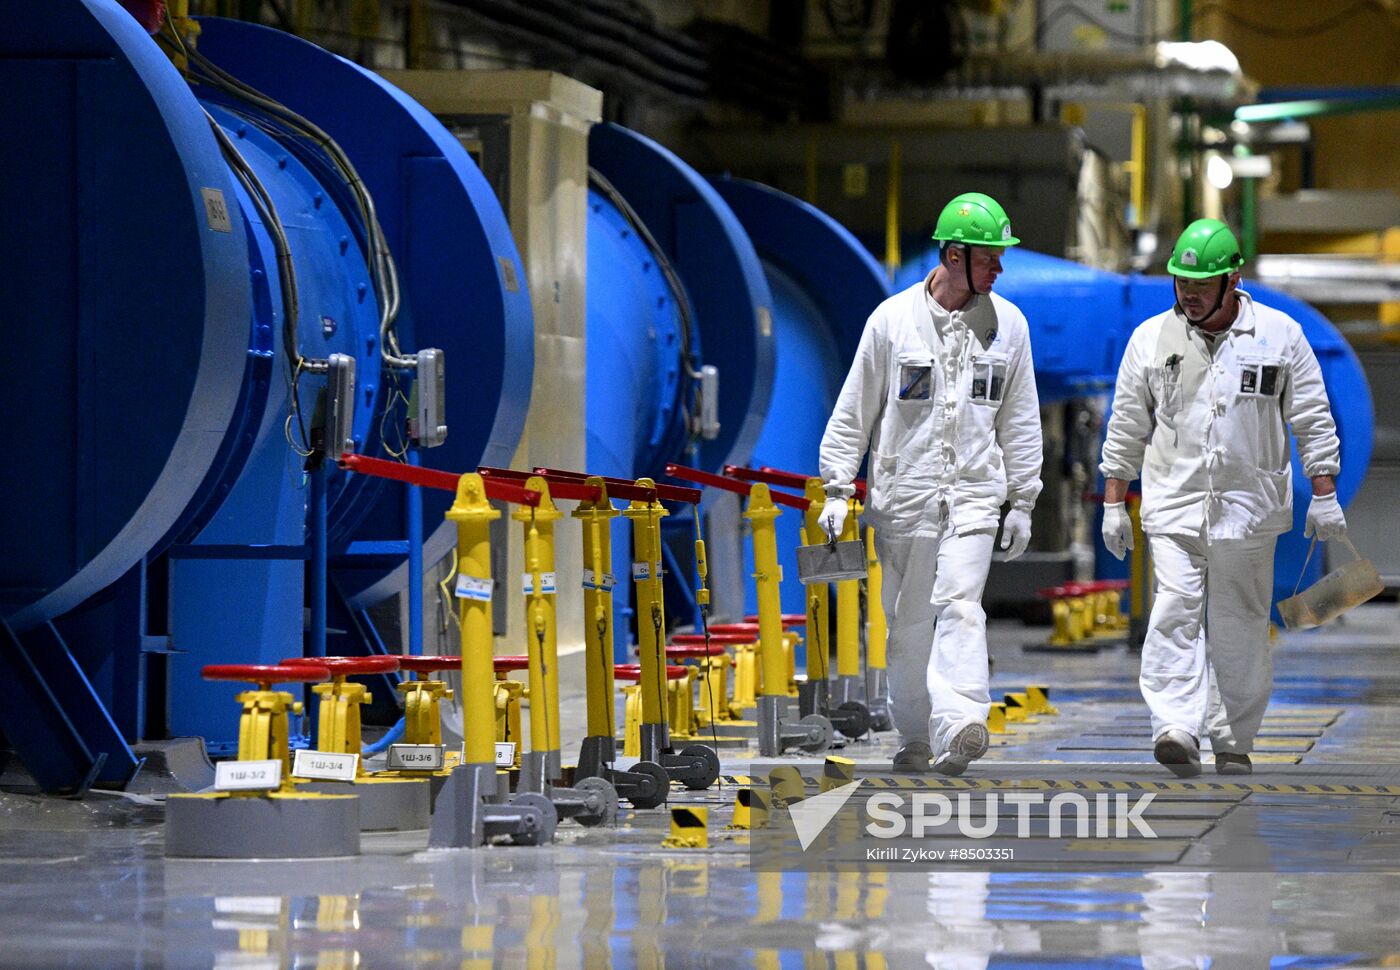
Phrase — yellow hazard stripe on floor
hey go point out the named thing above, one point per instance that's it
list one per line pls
(1055, 784)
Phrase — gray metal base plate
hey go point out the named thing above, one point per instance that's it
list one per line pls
(261, 827)
(435, 780)
(386, 804)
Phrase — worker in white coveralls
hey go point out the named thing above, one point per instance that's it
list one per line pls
(1205, 396)
(942, 394)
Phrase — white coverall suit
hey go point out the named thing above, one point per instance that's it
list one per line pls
(947, 406)
(1206, 422)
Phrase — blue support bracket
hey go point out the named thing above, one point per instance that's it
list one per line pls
(53, 718)
(353, 634)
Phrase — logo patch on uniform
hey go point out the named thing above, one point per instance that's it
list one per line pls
(991, 335)
(1189, 258)
(1006, 231)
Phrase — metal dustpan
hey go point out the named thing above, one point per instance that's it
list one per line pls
(831, 561)
(1333, 594)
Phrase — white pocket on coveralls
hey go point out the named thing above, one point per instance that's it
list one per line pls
(915, 376)
(988, 383)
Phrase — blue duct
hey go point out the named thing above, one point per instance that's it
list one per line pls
(638, 385)
(825, 285)
(159, 360)
(1081, 319)
(778, 291)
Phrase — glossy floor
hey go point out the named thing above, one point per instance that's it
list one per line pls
(83, 883)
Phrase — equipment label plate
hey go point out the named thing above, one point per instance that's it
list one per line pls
(416, 757)
(474, 588)
(546, 582)
(247, 775)
(505, 754)
(590, 580)
(216, 210)
(324, 766)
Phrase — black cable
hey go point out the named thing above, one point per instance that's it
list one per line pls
(673, 283)
(544, 701)
(1329, 22)
(705, 629)
(603, 670)
(656, 624)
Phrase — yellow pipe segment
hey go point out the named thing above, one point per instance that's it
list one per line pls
(768, 574)
(651, 615)
(598, 608)
(473, 516)
(541, 629)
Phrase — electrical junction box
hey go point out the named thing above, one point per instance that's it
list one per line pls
(427, 424)
(340, 405)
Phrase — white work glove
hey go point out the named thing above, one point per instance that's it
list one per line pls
(834, 513)
(1117, 529)
(1016, 533)
(1325, 519)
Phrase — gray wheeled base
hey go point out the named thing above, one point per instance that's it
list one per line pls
(261, 826)
(386, 805)
(851, 717)
(466, 817)
(595, 756)
(696, 766)
(592, 801)
(645, 785)
(812, 733)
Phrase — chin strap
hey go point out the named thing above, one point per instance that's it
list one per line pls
(967, 267)
(1219, 302)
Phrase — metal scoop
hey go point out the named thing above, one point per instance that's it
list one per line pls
(1333, 594)
(831, 561)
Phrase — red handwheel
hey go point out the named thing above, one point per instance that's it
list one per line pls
(429, 665)
(349, 666)
(265, 675)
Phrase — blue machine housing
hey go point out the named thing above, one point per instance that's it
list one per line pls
(825, 284)
(779, 293)
(463, 282)
(637, 383)
(138, 412)
(160, 364)
(718, 268)
(1080, 320)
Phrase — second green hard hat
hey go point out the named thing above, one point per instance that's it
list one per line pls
(975, 219)
(1206, 248)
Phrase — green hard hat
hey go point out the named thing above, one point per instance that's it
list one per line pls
(975, 219)
(1207, 248)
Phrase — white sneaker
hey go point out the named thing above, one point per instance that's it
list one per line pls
(1179, 751)
(913, 758)
(967, 746)
(1227, 763)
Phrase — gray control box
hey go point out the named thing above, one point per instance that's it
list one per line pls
(340, 406)
(427, 422)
